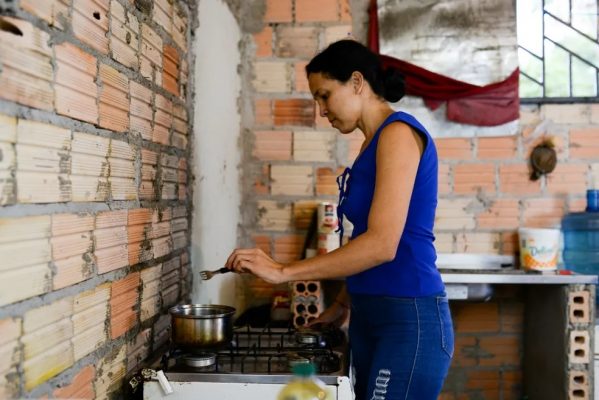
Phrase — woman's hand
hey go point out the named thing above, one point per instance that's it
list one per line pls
(335, 315)
(256, 262)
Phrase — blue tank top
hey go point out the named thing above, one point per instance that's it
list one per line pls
(412, 273)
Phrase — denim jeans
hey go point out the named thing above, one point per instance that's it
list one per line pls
(401, 347)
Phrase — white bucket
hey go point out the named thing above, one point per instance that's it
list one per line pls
(539, 248)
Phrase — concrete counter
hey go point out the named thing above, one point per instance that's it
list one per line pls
(559, 325)
(514, 277)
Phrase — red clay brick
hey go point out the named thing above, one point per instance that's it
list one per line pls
(568, 179)
(25, 66)
(512, 317)
(124, 36)
(263, 40)
(90, 23)
(263, 112)
(465, 351)
(272, 77)
(301, 82)
(262, 242)
(163, 119)
(170, 71)
(81, 387)
(326, 181)
(501, 214)
(294, 112)
(476, 318)
(140, 110)
(163, 14)
(316, 10)
(179, 32)
(444, 179)
(272, 145)
(51, 11)
(515, 179)
(114, 99)
(454, 148)
(345, 10)
(75, 87)
(543, 213)
(278, 11)
(482, 380)
(262, 182)
(502, 148)
(471, 178)
(500, 351)
(292, 180)
(123, 300)
(288, 248)
(584, 143)
(296, 42)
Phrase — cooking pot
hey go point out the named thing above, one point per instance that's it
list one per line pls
(201, 326)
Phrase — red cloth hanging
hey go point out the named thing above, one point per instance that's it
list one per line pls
(489, 105)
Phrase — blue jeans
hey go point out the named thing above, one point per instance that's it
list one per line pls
(401, 346)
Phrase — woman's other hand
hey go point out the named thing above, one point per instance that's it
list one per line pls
(335, 315)
(257, 262)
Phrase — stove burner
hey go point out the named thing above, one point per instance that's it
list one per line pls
(325, 361)
(199, 360)
(308, 336)
(294, 359)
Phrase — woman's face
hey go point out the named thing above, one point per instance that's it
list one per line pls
(337, 101)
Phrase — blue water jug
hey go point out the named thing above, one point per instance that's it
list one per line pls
(581, 238)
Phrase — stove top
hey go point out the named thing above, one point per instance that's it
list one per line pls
(262, 354)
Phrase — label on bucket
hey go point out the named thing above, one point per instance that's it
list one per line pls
(539, 248)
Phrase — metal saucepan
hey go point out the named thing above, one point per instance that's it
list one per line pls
(201, 326)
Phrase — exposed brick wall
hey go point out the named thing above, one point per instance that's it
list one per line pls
(485, 185)
(484, 190)
(95, 113)
(488, 355)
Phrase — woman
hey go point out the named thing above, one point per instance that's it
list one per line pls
(400, 331)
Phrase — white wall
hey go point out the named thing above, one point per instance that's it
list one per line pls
(216, 152)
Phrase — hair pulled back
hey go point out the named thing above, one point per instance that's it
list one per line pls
(340, 59)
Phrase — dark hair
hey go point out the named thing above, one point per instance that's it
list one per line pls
(340, 59)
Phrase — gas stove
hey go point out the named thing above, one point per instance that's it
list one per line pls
(258, 361)
(256, 353)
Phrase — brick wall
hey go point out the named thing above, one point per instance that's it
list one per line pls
(484, 190)
(488, 354)
(94, 118)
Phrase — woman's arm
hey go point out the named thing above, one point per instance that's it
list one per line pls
(337, 313)
(398, 155)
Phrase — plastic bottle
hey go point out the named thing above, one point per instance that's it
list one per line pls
(581, 238)
(304, 385)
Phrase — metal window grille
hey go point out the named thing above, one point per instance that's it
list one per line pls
(558, 51)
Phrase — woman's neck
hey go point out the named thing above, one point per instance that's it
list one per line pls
(373, 117)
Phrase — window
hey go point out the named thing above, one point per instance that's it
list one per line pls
(558, 50)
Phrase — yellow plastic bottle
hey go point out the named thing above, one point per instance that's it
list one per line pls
(304, 385)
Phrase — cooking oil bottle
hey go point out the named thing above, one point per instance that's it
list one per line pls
(304, 385)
